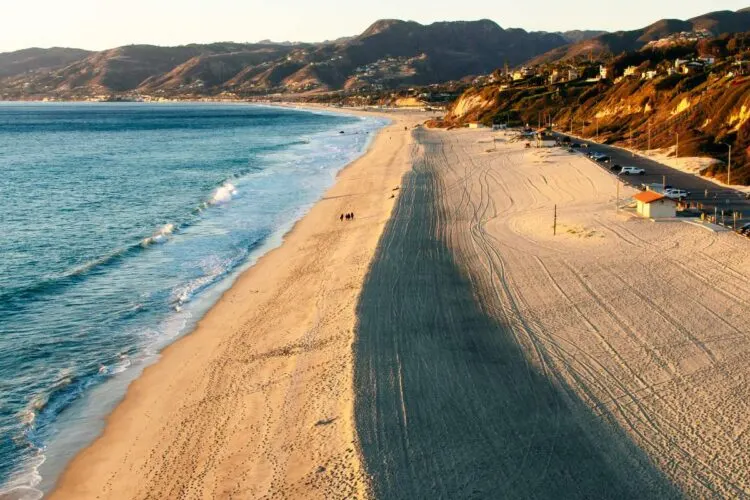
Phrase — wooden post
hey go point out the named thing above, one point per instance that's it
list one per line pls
(554, 224)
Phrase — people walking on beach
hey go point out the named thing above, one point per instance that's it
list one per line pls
(342, 217)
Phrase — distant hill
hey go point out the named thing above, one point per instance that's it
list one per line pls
(35, 59)
(715, 23)
(575, 36)
(389, 54)
(134, 67)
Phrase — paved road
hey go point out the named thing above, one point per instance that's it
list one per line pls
(722, 198)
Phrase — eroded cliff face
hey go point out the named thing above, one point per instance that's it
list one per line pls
(705, 110)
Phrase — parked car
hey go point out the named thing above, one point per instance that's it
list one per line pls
(676, 194)
(745, 229)
(615, 168)
(575, 145)
(603, 159)
(656, 186)
(632, 171)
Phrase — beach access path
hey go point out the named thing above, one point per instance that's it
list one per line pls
(257, 402)
(495, 359)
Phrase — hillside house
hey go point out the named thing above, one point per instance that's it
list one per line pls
(522, 74)
(630, 71)
(649, 75)
(603, 72)
(573, 74)
(692, 68)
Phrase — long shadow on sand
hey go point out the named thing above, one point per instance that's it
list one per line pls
(446, 404)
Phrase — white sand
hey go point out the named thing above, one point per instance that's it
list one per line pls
(648, 322)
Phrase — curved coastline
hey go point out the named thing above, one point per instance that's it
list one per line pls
(135, 414)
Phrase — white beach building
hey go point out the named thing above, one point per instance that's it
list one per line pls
(653, 205)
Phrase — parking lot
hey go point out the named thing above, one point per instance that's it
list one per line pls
(702, 191)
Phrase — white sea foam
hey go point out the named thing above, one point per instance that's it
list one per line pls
(160, 236)
(22, 486)
(223, 194)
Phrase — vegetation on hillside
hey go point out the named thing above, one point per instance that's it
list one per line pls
(705, 110)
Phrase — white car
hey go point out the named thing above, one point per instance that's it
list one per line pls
(632, 171)
(676, 194)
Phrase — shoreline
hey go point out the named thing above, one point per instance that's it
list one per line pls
(84, 475)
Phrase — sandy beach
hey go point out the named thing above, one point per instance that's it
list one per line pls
(258, 400)
(497, 360)
(446, 344)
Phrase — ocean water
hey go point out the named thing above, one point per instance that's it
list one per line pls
(120, 225)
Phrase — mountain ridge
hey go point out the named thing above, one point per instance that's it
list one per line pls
(388, 54)
(716, 23)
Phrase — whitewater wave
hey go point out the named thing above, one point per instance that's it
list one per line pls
(22, 485)
(223, 194)
(160, 236)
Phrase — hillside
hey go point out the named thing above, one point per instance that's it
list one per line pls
(35, 59)
(711, 24)
(707, 108)
(389, 54)
(129, 68)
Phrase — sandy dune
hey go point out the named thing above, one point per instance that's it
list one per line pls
(605, 362)
(258, 401)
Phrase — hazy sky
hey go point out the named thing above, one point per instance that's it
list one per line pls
(100, 24)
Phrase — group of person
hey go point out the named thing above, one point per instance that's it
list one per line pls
(349, 216)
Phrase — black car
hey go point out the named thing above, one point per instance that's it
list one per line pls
(745, 229)
(603, 159)
(575, 145)
(615, 168)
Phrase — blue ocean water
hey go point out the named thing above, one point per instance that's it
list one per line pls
(120, 225)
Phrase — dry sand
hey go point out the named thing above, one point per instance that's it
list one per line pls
(257, 402)
(608, 361)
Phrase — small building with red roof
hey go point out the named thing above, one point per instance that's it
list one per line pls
(653, 205)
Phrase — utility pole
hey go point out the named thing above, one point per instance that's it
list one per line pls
(631, 141)
(649, 134)
(597, 129)
(677, 146)
(729, 167)
(571, 125)
(729, 164)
